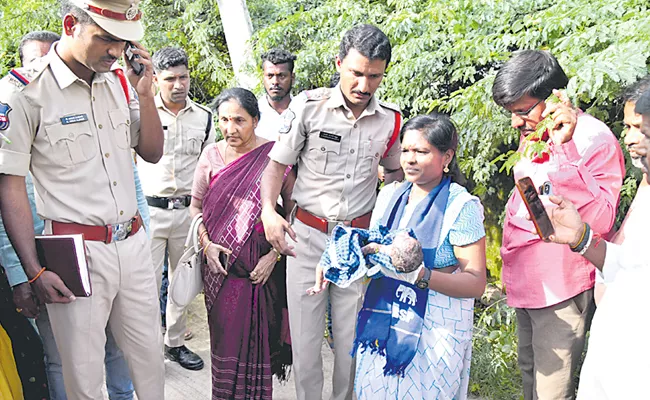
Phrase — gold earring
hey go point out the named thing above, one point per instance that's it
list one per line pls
(446, 169)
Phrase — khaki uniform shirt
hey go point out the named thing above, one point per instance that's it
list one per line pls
(75, 138)
(185, 138)
(337, 155)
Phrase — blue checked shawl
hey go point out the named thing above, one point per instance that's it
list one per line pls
(343, 262)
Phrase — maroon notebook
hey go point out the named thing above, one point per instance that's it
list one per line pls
(66, 256)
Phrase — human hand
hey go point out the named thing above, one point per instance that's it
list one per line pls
(274, 228)
(50, 289)
(566, 221)
(264, 268)
(212, 252)
(371, 248)
(25, 300)
(321, 282)
(141, 83)
(565, 118)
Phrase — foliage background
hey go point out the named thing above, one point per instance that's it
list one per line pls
(445, 55)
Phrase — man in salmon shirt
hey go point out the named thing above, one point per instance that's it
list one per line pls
(549, 285)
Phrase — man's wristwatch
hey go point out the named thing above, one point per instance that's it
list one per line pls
(424, 282)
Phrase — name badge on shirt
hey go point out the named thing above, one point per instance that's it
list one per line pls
(330, 136)
(74, 119)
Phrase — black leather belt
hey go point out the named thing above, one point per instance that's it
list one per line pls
(169, 203)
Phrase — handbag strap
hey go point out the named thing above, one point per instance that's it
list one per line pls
(193, 232)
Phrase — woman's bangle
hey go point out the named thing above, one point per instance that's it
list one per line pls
(586, 247)
(279, 256)
(205, 249)
(37, 275)
(202, 235)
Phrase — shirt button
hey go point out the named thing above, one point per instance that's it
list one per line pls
(121, 212)
(342, 198)
(355, 125)
(348, 176)
(114, 183)
(351, 151)
(100, 126)
(32, 379)
(376, 154)
(107, 155)
(128, 122)
(93, 98)
(322, 148)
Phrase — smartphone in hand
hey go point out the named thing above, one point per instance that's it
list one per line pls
(132, 58)
(535, 208)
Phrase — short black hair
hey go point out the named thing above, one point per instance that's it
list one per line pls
(278, 56)
(36, 36)
(441, 133)
(368, 40)
(169, 57)
(80, 15)
(643, 104)
(633, 92)
(533, 73)
(244, 97)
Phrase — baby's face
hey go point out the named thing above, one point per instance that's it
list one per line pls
(405, 252)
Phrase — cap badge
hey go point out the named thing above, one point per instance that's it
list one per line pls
(132, 12)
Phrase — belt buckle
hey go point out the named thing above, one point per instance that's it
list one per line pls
(177, 203)
(121, 231)
(332, 224)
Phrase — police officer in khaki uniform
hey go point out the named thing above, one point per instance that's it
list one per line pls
(72, 122)
(188, 128)
(338, 137)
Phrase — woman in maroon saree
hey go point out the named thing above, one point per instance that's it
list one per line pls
(244, 279)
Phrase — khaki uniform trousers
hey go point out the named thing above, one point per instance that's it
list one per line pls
(307, 320)
(168, 232)
(551, 342)
(124, 296)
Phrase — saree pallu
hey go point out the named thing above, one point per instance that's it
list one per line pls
(247, 339)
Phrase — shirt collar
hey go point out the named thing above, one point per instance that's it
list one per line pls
(337, 100)
(161, 105)
(63, 74)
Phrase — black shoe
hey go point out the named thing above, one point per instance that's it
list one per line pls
(184, 356)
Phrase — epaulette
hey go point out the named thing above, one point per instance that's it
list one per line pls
(21, 77)
(390, 106)
(202, 107)
(317, 94)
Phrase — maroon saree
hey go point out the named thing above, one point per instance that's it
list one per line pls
(247, 339)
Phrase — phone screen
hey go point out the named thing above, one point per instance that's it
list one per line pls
(132, 59)
(535, 208)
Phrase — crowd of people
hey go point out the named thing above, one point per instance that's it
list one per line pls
(129, 160)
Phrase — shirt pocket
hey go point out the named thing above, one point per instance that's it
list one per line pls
(121, 124)
(323, 155)
(193, 142)
(71, 144)
(372, 150)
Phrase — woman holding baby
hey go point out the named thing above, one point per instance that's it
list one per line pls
(448, 222)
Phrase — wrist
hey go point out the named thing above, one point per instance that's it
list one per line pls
(578, 236)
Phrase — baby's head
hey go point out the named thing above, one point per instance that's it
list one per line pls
(406, 252)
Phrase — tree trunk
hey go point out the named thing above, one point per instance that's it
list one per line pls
(238, 29)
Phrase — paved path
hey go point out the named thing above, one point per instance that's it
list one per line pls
(181, 384)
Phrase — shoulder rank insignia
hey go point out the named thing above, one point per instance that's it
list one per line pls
(390, 106)
(4, 116)
(287, 119)
(317, 94)
(17, 76)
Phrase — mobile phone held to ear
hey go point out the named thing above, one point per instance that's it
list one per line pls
(535, 208)
(132, 58)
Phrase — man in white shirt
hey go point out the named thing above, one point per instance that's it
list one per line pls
(633, 224)
(278, 78)
(187, 128)
(617, 359)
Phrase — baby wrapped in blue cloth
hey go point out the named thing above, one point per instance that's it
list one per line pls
(353, 253)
